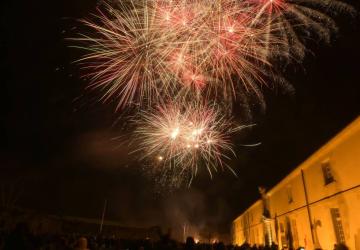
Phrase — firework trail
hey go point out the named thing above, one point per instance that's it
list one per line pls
(178, 138)
(296, 20)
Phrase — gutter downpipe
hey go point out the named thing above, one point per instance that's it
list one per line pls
(315, 243)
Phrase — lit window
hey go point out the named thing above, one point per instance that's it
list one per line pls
(327, 173)
(289, 194)
(338, 228)
(283, 241)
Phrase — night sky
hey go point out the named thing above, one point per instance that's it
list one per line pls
(59, 156)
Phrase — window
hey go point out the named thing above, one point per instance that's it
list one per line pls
(327, 173)
(338, 228)
(289, 194)
(281, 228)
(283, 241)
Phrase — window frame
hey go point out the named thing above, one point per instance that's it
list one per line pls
(327, 173)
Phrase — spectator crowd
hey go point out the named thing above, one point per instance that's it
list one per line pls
(21, 238)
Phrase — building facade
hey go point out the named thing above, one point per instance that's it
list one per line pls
(316, 206)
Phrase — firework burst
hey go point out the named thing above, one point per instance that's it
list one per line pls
(123, 59)
(143, 51)
(178, 139)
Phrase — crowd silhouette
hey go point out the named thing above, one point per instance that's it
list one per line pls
(21, 238)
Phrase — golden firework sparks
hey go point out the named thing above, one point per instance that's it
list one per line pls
(184, 136)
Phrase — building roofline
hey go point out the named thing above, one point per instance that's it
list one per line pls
(249, 208)
(353, 127)
(350, 129)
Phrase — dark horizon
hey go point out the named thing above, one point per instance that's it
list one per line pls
(59, 152)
